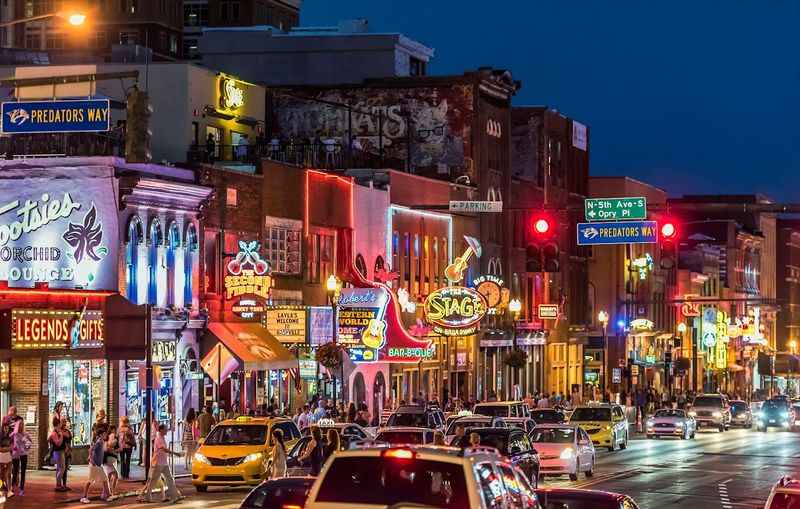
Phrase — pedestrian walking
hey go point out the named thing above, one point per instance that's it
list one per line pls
(205, 421)
(315, 451)
(127, 443)
(334, 444)
(160, 469)
(278, 468)
(66, 434)
(100, 420)
(20, 446)
(5, 461)
(58, 453)
(189, 438)
(97, 475)
(111, 459)
(305, 417)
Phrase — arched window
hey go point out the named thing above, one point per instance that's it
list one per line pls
(155, 239)
(361, 265)
(173, 244)
(190, 252)
(379, 264)
(135, 236)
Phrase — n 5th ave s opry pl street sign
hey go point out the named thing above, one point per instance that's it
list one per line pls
(618, 232)
(68, 116)
(615, 209)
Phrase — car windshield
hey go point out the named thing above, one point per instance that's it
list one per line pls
(451, 430)
(547, 416)
(277, 495)
(591, 414)
(386, 481)
(774, 405)
(419, 420)
(237, 434)
(667, 412)
(400, 437)
(491, 410)
(739, 406)
(553, 435)
(707, 401)
(491, 438)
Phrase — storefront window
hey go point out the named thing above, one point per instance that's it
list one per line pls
(81, 386)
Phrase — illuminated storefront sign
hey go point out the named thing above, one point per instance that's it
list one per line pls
(69, 116)
(361, 322)
(690, 309)
(709, 327)
(643, 265)
(248, 278)
(455, 310)
(62, 232)
(642, 324)
(491, 287)
(41, 328)
(165, 351)
(232, 95)
(287, 324)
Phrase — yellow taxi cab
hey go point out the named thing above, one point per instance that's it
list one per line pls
(237, 452)
(605, 424)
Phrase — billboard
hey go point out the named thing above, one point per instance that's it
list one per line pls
(62, 116)
(287, 324)
(61, 227)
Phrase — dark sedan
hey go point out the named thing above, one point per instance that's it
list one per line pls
(512, 443)
(548, 416)
(567, 498)
(279, 493)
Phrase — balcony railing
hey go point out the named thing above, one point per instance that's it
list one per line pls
(23, 146)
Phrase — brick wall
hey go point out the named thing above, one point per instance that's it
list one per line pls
(26, 380)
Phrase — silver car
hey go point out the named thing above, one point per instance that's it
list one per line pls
(669, 422)
(711, 410)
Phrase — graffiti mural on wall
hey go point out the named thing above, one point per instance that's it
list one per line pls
(439, 123)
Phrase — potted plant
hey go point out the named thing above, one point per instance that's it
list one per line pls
(330, 355)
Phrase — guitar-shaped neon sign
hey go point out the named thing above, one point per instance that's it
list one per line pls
(455, 271)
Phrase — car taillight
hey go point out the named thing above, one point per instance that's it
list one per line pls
(401, 454)
(291, 506)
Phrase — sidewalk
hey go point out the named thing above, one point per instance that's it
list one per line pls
(40, 486)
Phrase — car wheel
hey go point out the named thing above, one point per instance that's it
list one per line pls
(201, 489)
(590, 472)
(764, 429)
(624, 444)
(721, 428)
(694, 433)
(574, 477)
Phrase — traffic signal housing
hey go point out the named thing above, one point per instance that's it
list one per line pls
(542, 252)
(668, 234)
(137, 127)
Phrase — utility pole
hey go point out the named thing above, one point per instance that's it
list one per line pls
(148, 400)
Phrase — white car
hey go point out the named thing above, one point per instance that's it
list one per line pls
(421, 476)
(472, 421)
(669, 422)
(502, 409)
(405, 435)
(564, 449)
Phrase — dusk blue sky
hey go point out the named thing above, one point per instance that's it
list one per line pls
(693, 96)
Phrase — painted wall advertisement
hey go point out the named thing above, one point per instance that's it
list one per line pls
(60, 228)
(438, 119)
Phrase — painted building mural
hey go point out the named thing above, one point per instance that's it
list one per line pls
(432, 124)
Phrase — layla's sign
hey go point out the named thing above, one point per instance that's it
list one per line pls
(248, 279)
(41, 329)
(59, 228)
(232, 94)
(455, 310)
(73, 116)
(287, 324)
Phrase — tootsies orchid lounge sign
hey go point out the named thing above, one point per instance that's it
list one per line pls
(59, 226)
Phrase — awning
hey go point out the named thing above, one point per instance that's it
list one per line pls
(253, 345)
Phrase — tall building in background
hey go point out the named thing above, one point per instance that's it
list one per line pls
(263, 14)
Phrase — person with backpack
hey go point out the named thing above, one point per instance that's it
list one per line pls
(20, 446)
(127, 443)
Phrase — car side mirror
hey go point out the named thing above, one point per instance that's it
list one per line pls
(293, 462)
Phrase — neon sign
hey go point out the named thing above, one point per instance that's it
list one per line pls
(641, 324)
(644, 265)
(232, 95)
(41, 328)
(248, 277)
(455, 310)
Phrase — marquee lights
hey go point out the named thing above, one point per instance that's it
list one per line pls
(455, 310)
(41, 328)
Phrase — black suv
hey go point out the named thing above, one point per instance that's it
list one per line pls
(417, 417)
(512, 443)
(774, 413)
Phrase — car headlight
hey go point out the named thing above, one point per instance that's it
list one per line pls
(716, 414)
(678, 424)
(760, 414)
(567, 453)
(785, 415)
(650, 423)
(201, 458)
(608, 428)
(692, 413)
(256, 456)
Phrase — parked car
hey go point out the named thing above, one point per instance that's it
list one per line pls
(711, 410)
(563, 449)
(551, 498)
(282, 493)
(421, 476)
(671, 422)
(502, 409)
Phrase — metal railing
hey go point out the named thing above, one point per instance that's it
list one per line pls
(25, 146)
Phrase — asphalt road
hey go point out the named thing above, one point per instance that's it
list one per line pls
(730, 470)
(734, 469)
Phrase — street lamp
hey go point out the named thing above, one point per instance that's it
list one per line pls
(681, 328)
(73, 18)
(602, 317)
(515, 306)
(792, 346)
(334, 287)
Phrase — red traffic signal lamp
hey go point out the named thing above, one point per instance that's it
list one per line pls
(542, 252)
(542, 226)
(669, 230)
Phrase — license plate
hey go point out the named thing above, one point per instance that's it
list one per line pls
(772, 420)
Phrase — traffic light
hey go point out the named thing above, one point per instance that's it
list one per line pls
(669, 231)
(542, 252)
(669, 237)
(137, 127)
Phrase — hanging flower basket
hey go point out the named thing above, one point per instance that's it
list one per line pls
(330, 355)
(516, 358)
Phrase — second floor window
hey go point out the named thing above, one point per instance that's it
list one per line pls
(320, 257)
